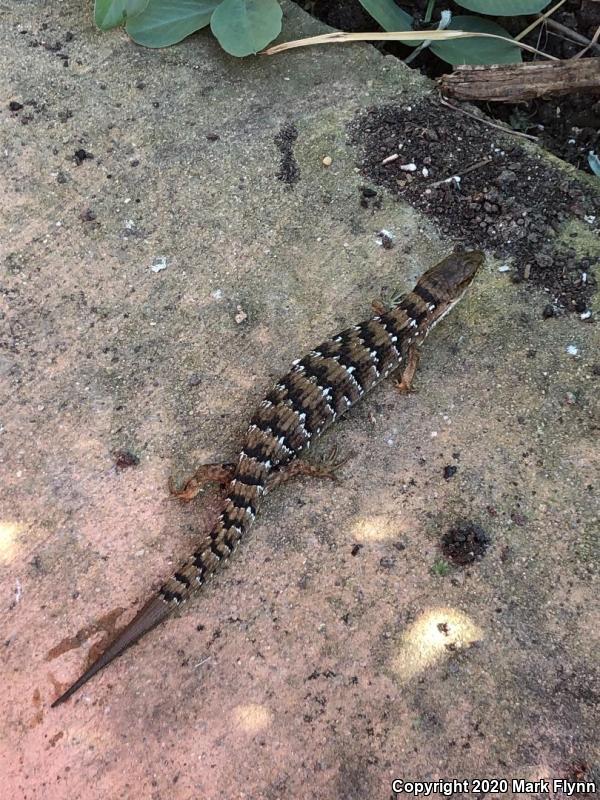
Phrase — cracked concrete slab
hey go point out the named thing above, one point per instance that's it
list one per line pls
(157, 275)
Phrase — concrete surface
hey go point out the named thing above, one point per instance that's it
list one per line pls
(304, 670)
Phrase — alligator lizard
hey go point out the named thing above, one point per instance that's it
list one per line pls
(317, 390)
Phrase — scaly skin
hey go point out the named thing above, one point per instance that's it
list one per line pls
(317, 390)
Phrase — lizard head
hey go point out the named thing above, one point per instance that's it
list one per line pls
(442, 286)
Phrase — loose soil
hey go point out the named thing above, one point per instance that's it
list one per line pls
(568, 126)
(504, 199)
(465, 543)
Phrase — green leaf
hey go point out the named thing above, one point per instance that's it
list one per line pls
(166, 22)
(246, 26)
(477, 50)
(504, 8)
(388, 15)
(110, 13)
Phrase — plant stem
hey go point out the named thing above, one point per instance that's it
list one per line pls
(429, 11)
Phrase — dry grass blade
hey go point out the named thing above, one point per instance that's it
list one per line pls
(488, 122)
(339, 37)
(591, 45)
(542, 18)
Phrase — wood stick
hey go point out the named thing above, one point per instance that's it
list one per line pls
(515, 82)
(577, 37)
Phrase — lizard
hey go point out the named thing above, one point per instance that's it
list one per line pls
(317, 390)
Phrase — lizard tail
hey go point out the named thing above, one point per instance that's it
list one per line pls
(240, 508)
(150, 615)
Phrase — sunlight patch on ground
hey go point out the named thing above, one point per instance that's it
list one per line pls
(9, 532)
(252, 717)
(435, 635)
(378, 528)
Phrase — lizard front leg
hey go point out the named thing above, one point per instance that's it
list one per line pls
(381, 305)
(206, 473)
(404, 385)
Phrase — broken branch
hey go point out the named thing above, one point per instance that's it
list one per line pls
(516, 82)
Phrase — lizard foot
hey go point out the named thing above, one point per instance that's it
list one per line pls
(404, 385)
(206, 473)
(381, 305)
(327, 468)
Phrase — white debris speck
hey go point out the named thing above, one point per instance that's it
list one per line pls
(425, 172)
(18, 591)
(389, 159)
(127, 200)
(572, 350)
(240, 316)
(412, 167)
(584, 277)
(389, 442)
(160, 263)
(129, 224)
(590, 218)
(504, 268)
(586, 315)
(58, 224)
(217, 294)
(433, 434)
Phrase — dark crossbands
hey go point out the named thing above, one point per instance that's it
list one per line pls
(317, 390)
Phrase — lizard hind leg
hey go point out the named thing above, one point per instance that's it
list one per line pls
(327, 468)
(206, 473)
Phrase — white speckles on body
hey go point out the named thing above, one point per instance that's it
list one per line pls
(352, 379)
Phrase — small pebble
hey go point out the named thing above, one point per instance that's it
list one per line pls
(385, 239)
(125, 458)
(160, 263)
(327, 161)
(241, 315)
(548, 311)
